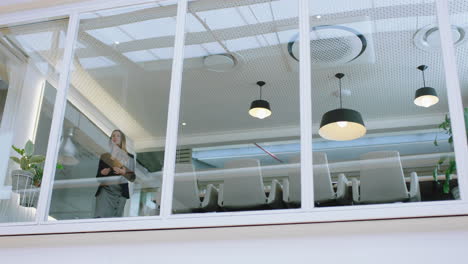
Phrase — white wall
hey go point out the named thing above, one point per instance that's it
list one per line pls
(430, 240)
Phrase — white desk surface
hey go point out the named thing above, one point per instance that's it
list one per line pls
(268, 172)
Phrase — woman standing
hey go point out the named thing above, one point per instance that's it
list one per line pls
(111, 198)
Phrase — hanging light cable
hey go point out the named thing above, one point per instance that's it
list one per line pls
(342, 124)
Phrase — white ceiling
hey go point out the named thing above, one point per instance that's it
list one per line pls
(123, 63)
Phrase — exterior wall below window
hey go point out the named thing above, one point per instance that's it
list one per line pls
(425, 240)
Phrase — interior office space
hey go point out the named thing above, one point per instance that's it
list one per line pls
(234, 93)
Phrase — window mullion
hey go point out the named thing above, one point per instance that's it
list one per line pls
(307, 184)
(454, 95)
(57, 119)
(173, 112)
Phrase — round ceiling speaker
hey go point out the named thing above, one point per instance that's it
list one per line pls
(220, 62)
(331, 44)
(428, 37)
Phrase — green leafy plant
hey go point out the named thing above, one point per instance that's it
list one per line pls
(447, 165)
(30, 162)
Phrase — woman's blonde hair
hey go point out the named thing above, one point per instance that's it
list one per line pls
(123, 140)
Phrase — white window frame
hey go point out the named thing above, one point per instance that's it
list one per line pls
(306, 214)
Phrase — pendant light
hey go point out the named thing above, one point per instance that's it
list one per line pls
(67, 154)
(260, 108)
(425, 96)
(342, 124)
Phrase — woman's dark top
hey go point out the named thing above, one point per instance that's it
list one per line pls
(130, 175)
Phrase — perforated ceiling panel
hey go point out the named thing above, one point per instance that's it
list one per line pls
(257, 34)
(109, 66)
(213, 102)
(384, 90)
(459, 17)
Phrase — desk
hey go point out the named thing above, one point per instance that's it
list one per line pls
(88, 182)
(269, 172)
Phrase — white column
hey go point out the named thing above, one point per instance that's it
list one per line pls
(57, 120)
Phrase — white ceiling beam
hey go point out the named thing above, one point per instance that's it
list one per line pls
(417, 9)
(195, 38)
(107, 51)
(160, 12)
(51, 26)
(96, 95)
(204, 37)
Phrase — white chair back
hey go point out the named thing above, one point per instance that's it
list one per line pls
(243, 184)
(382, 179)
(294, 177)
(186, 196)
(323, 189)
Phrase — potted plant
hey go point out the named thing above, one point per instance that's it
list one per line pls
(26, 180)
(23, 179)
(448, 165)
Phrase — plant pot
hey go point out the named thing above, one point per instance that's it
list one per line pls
(22, 183)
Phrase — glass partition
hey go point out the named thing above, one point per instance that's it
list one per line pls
(458, 12)
(458, 19)
(379, 98)
(116, 114)
(238, 143)
(380, 113)
(30, 57)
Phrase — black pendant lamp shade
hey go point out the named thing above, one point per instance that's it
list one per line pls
(260, 108)
(425, 96)
(342, 124)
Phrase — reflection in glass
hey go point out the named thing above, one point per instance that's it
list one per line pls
(377, 45)
(238, 144)
(111, 198)
(119, 87)
(458, 13)
(30, 57)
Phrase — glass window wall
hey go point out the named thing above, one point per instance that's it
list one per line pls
(30, 57)
(238, 143)
(379, 98)
(115, 121)
(458, 14)
(381, 121)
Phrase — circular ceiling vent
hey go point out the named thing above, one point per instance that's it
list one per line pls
(220, 62)
(428, 37)
(332, 44)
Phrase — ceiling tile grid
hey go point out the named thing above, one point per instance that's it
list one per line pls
(139, 68)
(261, 58)
(459, 17)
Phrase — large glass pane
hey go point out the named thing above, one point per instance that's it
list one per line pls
(458, 19)
(116, 114)
(459, 23)
(30, 57)
(376, 136)
(232, 155)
